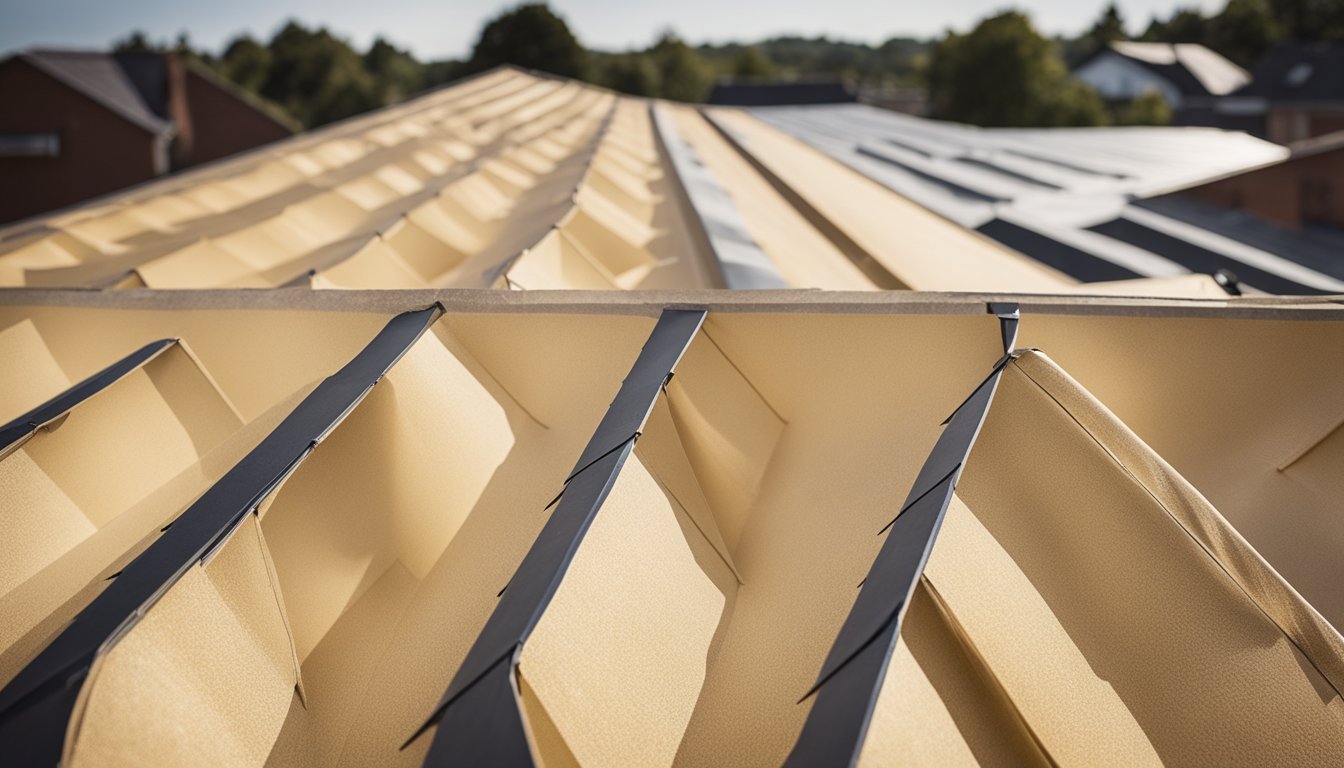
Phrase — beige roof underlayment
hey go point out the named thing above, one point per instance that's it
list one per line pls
(1140, 564)
(1088, 600)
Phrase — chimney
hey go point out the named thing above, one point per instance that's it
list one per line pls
(178, 111)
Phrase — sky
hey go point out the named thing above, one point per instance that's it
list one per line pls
(436, 29)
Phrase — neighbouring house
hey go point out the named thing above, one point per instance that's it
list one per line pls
(1305, 189)
(748, 93)
(1296, 92)
(82, 124)
(1189, 77)
(911, 101)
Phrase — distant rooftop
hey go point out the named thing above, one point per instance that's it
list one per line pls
(1193, 68)
(754, 94)
(131, 85)
(1299, 72)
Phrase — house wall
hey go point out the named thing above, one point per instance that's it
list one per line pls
(1119, 79)
(1287, 124)
(1306, 190)
(222, 123)
(99, 151)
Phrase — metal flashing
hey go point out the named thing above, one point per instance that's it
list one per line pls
(459, 733)
(851, 677)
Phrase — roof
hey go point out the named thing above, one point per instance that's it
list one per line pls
(253, 100)
(532, 182)
(533, 488)
(751, 94)
(377, 522)
(131, 86)
(1317, 145)
(1192, 68)
(1066, 197)
(1299, 72)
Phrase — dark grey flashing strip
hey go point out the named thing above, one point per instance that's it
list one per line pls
(960, 190)
(851, 677)
(460, 731)
(627, 413)
(1197, 258)
(36, 705)
(16, 432)
(741, 261)
(1074, 262)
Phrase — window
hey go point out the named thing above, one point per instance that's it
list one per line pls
(30, 145)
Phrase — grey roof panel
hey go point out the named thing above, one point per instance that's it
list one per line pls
(1054, 194)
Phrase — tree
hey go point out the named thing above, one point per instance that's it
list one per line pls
(632, 73)
(1148, 108)
(684, 75)
(531, 36)
(136, 42)
(1186, 25)
(1004, 73)
(1309, 19)
(1107, 29)
(316, 76)
(1244, 31)
(396, 74)
(246, 62)
(440, 72)
(751, 62)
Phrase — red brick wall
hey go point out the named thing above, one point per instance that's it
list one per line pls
(1309, 189)
(100, 152)
(222, 123)
(1287, 125)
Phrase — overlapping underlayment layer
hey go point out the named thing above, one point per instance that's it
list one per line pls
(646, 520)
(515, 180)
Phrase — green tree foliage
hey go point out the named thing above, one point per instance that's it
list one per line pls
(1186, 25)
(396, 74)
(684, 75)
(246, 62)
(898, 61)
(1244, 31)
(436, 73)
(1149, 108)
(317, 77)
(1107, 29)
(752, 63)
(1004, 73)
(136, 42)
(534, 37)
(1310, 20)
(632, 73)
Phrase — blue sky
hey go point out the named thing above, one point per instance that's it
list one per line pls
(448, 28)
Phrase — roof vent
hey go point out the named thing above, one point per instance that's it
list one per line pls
(1299, 74)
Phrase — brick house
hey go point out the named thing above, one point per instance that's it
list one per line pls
(81, 124)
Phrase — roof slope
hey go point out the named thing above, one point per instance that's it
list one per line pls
(1062, 196)
(1299, 72)
(101, 77)
(318, 521)
(513, 179)
(1194, 69)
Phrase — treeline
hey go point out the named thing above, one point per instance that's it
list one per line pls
(1005, 73)
(310, 75)
(533, 36)
(1002, 72)
(1243, 31)
(316, 77)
